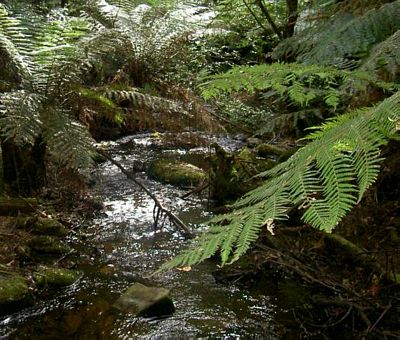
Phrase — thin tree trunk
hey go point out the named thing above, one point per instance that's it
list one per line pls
(293, 14)
(267, 16)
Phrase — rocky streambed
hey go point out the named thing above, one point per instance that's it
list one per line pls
(120, 248)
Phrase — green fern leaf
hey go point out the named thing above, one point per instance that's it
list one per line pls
(325, 178)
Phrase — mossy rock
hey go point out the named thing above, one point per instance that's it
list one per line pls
(146, 301)
(55, 277)
(254, 165)
(40, 226)
(49, 226)
(177, 173)
(48, 245)
(287, 154)
(14, 293)
(268, 150)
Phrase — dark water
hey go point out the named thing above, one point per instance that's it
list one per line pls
(120, 246)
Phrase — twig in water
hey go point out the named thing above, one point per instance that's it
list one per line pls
(182, 227)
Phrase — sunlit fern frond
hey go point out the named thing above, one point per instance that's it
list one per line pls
(68, 141)
(325, 179)
(20, 116)
(13, 42)
(137, 99)
(55, 61)
(301, 84)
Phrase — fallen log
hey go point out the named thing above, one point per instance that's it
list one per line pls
(16, 205)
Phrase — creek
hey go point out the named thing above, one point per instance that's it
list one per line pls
(119, 246)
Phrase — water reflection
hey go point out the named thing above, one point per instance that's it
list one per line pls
(120, 246)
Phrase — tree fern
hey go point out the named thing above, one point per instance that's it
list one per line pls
(344, 36)
(325, 178)
(52, 58)
(384, 60)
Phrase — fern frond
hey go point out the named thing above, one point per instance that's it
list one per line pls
(19, 116)
(300, 83)
(141, 100)
(325, 178)
(68, 141)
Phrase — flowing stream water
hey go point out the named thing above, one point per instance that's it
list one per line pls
(120, 246)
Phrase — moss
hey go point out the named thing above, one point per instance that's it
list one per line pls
(48, 226)
(267, 150)
(55, 277)
(287, 154)
(13, 288)
(176, 173)
(48, 245)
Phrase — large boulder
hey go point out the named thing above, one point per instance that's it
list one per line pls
(141, 300)
(176, 173)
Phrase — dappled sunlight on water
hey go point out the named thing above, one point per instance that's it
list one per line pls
(121, 246)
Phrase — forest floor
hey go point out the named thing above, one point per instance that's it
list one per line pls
(340, 285)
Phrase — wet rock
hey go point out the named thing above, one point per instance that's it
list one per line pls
(14, 293)
(287, 154)
(48, 226)
(267, 150)
(39, 226)
(142, 300)
(176, 173)
(252, 142)
(55, 277)
(48, 245)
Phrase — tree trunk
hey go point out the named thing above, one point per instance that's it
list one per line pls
(293, 14)
(24, 170)
(268, 17)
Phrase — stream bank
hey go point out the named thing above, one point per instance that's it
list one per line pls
(119, 246)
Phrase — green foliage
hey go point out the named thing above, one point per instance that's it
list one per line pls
(102, 105)
(384, 60)
(342, 37)
(50, 56)
(136, 99)
(324, 179)
(301, 84)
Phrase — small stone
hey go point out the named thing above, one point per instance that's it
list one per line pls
(141, 300)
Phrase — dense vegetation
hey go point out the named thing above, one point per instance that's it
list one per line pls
(75, 71)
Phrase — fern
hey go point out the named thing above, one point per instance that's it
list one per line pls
(325, 179)
(342, 37)
(51, 59)
(301, 84)
(140, 100)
